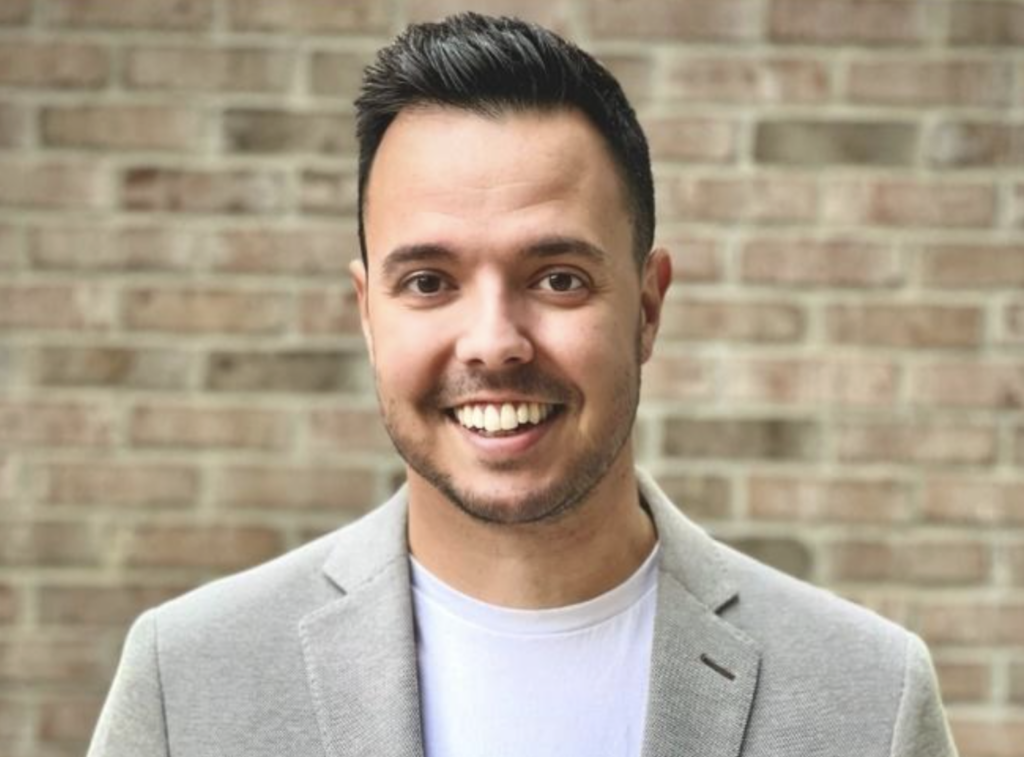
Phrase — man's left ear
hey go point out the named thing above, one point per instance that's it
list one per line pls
(655, 280)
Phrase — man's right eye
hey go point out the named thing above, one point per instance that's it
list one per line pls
(425, 284)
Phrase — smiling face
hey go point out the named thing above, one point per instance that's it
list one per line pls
(503, 311)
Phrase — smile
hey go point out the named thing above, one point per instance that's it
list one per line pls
(498, 419)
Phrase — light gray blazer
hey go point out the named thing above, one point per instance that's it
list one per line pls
(314, 654)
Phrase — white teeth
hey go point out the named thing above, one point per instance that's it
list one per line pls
(505, 417)
(492, 419)
(508, 417)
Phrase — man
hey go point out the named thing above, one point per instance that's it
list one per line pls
(527, 592)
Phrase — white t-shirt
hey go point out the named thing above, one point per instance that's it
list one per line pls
(503, 682)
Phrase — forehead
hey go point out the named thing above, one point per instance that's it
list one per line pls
(454, 177)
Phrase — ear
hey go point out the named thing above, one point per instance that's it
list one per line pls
(655, 280)
(357, 270)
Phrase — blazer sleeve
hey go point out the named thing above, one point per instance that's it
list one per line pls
(132, 722)
(921, 727)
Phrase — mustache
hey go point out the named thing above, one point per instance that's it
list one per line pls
(524, 379)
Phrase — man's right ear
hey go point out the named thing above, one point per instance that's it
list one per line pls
(357, 270)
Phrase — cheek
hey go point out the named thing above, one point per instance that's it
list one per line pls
(408, 353)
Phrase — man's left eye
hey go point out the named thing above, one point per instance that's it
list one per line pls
(561, 281)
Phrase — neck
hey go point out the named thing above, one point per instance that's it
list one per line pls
(570, 559)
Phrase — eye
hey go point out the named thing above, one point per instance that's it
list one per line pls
(561, 281)
(424, 284)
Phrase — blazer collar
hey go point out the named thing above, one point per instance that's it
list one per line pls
(360, 649)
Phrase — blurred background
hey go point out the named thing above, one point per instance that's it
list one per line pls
(838, 389)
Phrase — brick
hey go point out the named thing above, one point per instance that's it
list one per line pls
(339, 74)
(14, 126)
(805, 262)
(966, 144)
(104, 249)
(746, 81)
(760, 200)
(195, 427)
(164, 15)
(124, 127)
(81, 307)
(973, 502)
(970, 266)
(992, 736)
(15, 12)
(1016, 202)
(1017, 682)
(697, 20)
(908, 203)
(905, 326)
(695, 259)
(193, 311)
(309, 488)
(204, 191)
(945, 562)
(331, 193)
(972, 622)
(1014, 560)
(788, 555)
(54, 185)
(67, 719)
(87, 605)
(15, 717)
(56, 65)
(220, 547)
(810, 382)
(683, 378)
(635, 73)
(39, 660)
(921, 83)
(821, 143)
(12, 243)
(701, 497)
(741, 439)
(317, 16)
(870, 22)
(112, 367)
(117, 484)
(927, 443)
(291, 371)
(348, 431)
(732, 321)
(34, 423)
(49, 544)
(691, 139)
(300, 252)
(964, 682)
(200, 69)
(805, 500)
(8, 607)
(1013, 323)
(961, 384)
(987, 23)
(330, 311)
(279, 131)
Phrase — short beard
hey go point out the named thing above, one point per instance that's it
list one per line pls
(558, 500)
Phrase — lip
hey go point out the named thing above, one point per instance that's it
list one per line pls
(506, 446)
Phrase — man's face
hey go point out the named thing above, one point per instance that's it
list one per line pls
(504, 314)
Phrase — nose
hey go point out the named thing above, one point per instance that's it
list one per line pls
(492, 335)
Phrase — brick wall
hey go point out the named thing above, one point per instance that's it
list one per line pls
(839, 388)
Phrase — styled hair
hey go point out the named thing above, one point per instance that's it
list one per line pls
(492, 66)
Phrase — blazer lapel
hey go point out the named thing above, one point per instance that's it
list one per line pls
(360, 649)
(703, 670)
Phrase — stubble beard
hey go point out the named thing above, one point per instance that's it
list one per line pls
(588, 465)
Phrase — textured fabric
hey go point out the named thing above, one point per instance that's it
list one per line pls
(577, 674)
(314, 654)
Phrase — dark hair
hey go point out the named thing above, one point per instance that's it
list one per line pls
(492, 65)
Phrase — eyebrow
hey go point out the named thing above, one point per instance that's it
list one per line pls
(546, 247)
